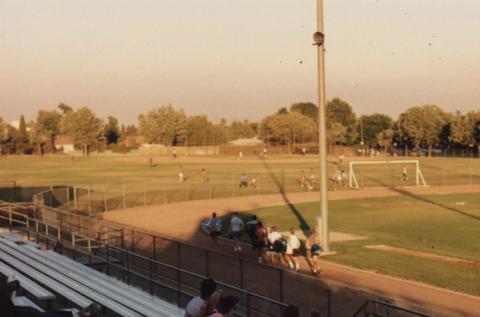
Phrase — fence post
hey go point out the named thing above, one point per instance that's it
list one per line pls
(124, 198)
(105, 206)
(90, 200)
(144, 193)
(68, 196)
(75, 197)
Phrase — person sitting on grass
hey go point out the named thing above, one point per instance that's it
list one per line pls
(195, 305)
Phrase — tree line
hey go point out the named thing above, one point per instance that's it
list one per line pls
(416, 129)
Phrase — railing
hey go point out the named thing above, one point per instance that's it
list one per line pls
(132, 266)
(379, 308)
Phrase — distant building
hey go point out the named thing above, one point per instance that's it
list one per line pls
(250, 141)
(64, 144)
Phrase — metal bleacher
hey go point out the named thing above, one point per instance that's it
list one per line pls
(81, 284)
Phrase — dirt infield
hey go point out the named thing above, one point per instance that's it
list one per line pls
(181, 221)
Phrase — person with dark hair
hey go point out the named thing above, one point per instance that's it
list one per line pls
(194, 307)
(214, 227)
(291, 311)
(251, 226)
(261, 233)
(225, 306)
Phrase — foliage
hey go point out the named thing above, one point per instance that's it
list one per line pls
(385, 139)
(85, 129)
(240, 130)
(287, 128)
(341, 112)
(372, 125)
(307, 109)
(336, 133)
(46, 129)
(111, 130)
(164, 125)
(21, 139)
(423, 125)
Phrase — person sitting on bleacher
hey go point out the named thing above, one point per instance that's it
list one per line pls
(194, 307)
(8, 288)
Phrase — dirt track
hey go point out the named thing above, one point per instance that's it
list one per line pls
(181, 221)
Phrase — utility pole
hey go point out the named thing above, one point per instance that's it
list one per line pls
(322, 223)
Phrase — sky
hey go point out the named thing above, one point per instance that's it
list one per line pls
(235, 59)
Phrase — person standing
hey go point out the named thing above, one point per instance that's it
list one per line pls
(214, 227)
(205, 177)
(261, 234)
(293, 251)
(251, 228)
(313, 250)
(277, 246)
(404, 176)
(194, 306)
(243, 181)
(236, 226)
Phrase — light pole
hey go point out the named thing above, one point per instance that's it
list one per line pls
(318, 38)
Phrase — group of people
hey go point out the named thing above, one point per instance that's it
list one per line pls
(211, 302)
(270, 244)
(244, 181)
(307, 182)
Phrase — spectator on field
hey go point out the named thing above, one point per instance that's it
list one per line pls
(194, 306)
(265, 152)
(302, 180)
(236, 226)
(293, 251)
(174, 153)
(251, 227)
(277, 246)
(313, 250)
(261, 234)
(243, 181)
(254, 181)
(291, 311)
(214, 228)
(181, 175)
(404, 176)
(226, 305)
(240, 155)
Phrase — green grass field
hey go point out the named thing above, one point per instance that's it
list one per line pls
(111, 176)
(441, 224)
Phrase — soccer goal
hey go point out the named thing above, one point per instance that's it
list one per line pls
(385, 173)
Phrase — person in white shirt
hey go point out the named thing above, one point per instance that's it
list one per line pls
(236, 226)
(293, 250)
(194, 307)
(277, 246)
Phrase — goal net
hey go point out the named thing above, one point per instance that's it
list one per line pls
(385, 174)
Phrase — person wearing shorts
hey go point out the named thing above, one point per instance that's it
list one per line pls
(293, 251)
(261, 234)
(236, 226)
(243, 181)
(214, 227)
(313, 250)
(277, 246)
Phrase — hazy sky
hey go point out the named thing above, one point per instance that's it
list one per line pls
(235, 59)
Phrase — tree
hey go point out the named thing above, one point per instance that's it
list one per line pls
(423, 126)
(385, 139)
(341, 112)
(65, 108)
(372, 125)
(164, 125)
(240, 130)
(3, 135)
(111, 130)
(286, 128)
(336, 133)
(282, 110)
(46, 129)
(200, 131)
(85, 129)
(22, 140)
(307, 109)
(465, 129)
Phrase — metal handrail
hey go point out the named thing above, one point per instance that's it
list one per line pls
(129, 254)
(376, 302)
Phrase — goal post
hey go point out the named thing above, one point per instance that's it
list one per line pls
(402, 171)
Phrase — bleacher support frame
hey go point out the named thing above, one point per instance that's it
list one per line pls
(81, 244)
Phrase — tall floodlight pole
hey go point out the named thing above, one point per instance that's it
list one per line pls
(318, 38)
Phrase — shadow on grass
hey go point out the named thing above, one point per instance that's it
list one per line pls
(281, 189)
(424, 199)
